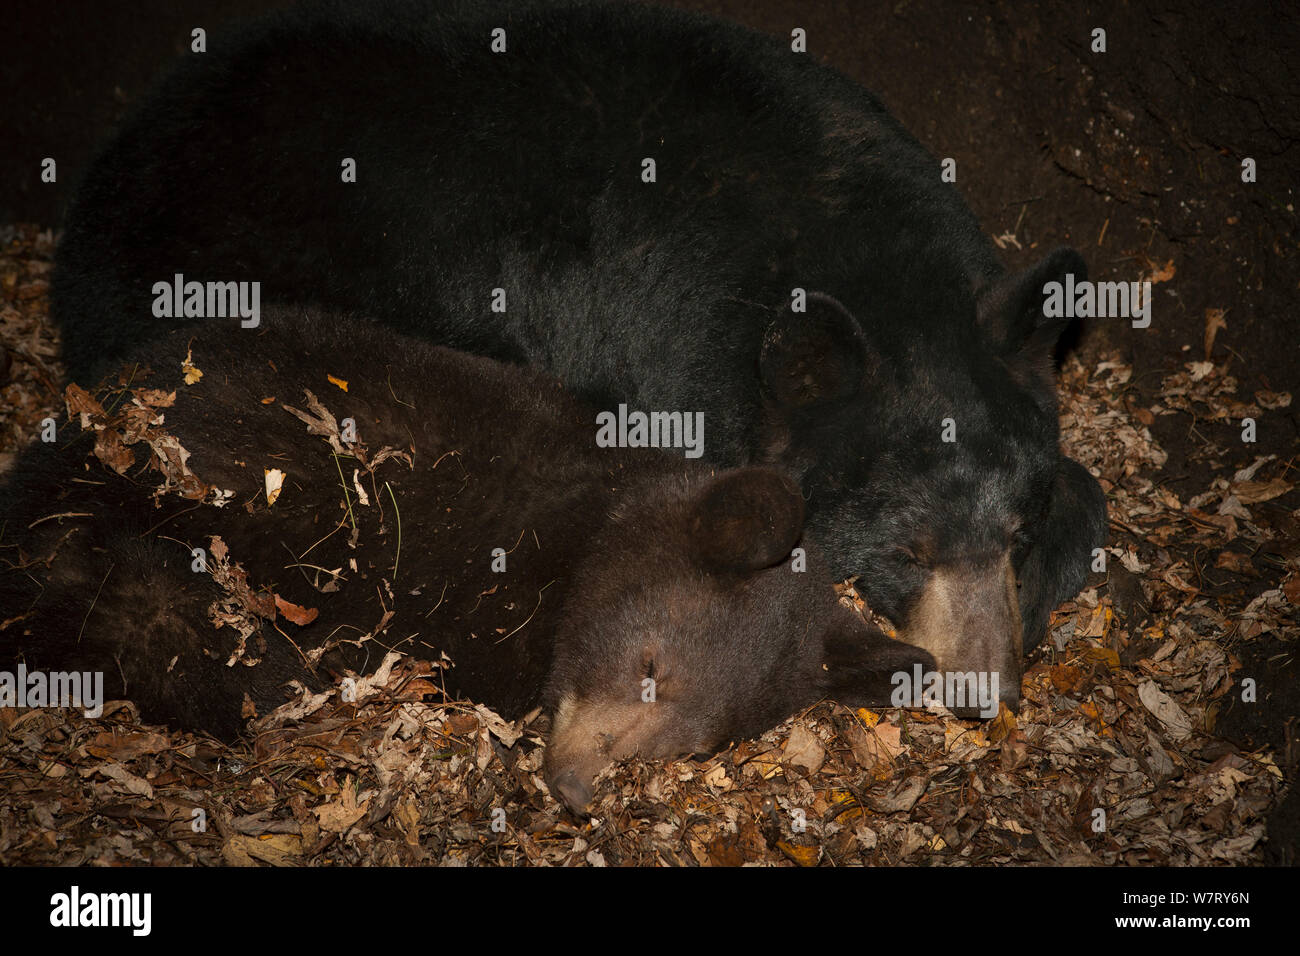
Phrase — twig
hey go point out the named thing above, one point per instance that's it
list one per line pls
(530, 616)
(398, 512)
(94, 602)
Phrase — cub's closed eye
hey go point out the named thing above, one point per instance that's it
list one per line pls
(910, 557)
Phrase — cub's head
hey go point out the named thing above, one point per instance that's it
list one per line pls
(703, 616)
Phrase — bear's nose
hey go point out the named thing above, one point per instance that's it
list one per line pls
(1010, 698)
(569, 788)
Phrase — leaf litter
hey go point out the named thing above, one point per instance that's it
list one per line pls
(1112, 758)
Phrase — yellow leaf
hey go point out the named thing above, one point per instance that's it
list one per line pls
(803, 855)
(192, 374)
(1002, 725)
(1102, 655)
(337, 381)
(1093, 713)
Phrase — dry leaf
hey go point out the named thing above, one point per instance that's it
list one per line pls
(339, 815)
(1166, 710)
(274, 479)
(191, 372)
(804, 750)
(1253, 492)
(1214, 321)
(299, 615)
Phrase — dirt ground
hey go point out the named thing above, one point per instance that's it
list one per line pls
(1134, 156)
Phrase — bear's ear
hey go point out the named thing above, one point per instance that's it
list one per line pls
(858, 666)
(815, 356)
(1010, 308)
(746, 520)
(1057, 563)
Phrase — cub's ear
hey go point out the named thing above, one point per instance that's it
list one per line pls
(816, 356)
(860, 664)
(747, 519)
(1058, 559)
(1010, 308)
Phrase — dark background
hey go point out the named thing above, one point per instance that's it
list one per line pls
(1145, 140)
(1133, 156)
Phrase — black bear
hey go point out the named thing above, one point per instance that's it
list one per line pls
(666, 212)
(443, 503)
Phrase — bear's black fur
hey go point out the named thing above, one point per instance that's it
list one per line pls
(619, 565)
(522, 171)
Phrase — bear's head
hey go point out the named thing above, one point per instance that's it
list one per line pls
(929, 455)
(703, 616)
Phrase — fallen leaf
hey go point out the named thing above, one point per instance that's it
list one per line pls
(192, 372)
(1157, 273)
(1015, 750)
(1291, 588)
(301, 616)
(903, 797)
(1252, 492)
(1004, 724)
(1066, 678)
(341, 814)
(718, 779)
(498, 727)
(121, 746)
(803, 749)
(1097, 621)
(1214, 321)
(125, 779)
(1166, 710)
(1105, 656)
(802, 855)
(1236, 563)
(274, 479)
(1273, 400)
(277, 849)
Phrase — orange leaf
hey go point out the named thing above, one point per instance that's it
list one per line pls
(301, 616)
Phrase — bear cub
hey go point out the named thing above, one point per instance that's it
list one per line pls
(252, 506)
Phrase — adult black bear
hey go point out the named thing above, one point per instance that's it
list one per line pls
(628, 197)
(615, 568)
